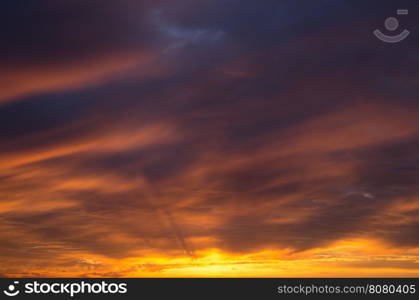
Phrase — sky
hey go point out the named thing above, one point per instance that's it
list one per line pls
(198, 138)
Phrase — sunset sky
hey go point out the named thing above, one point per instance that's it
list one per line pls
(208, 138)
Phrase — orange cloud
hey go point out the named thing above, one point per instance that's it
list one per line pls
(219, 158)
(21, 82)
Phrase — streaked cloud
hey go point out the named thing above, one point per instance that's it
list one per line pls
(238, 154)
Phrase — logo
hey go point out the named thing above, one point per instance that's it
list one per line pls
(392, 24)
(11, 290)
(68, 288)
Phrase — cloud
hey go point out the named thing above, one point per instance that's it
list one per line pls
(31, 80)
(52, 47)
(247, 155)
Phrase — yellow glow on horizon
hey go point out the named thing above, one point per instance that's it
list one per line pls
(346, 258)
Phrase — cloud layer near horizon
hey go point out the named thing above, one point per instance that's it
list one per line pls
(157, 138)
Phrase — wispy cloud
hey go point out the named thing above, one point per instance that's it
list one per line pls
(238, 154)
